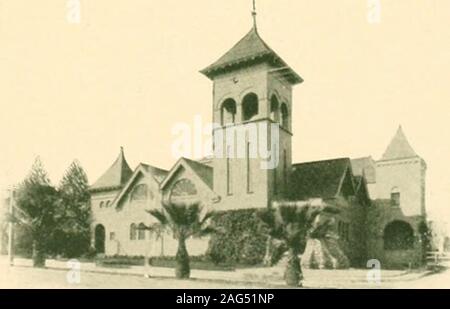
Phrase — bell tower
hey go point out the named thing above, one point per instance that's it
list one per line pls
(252, 108)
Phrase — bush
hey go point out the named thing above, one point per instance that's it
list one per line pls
(238, 240)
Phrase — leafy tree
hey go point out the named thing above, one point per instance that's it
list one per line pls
(36, 202)
(292, 225)
(183, 221)
(73, 236)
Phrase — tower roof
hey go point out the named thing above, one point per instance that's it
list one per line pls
(116, 176)
(249, 50)
(399, 147)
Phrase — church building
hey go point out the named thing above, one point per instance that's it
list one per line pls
(382, 202)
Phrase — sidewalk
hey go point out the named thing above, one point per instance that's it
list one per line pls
(270, 277)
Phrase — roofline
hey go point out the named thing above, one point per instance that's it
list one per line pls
(321, 161)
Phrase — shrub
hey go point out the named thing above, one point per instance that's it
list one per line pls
(238, 239)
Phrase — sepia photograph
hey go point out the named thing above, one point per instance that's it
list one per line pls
(230, 144)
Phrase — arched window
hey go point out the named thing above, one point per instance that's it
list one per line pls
(107, 204)
(274, 109)
(395, 197)
(183, 190)
(140, 193)
(184, 187)
(141, 231)
(101, 204)
(284, 116)
(398, 235)
(133, 230)
(228, 112)
(250, 106)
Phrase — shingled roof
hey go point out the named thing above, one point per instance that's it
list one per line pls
(364, 167)
(399, 148)
(320, 179)
(249, 50)
(115, 177)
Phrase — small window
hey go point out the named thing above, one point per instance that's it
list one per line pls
(102, 204)
(112, 236)
(133, 231)
(141, 231)
(395, 197)
(107, 204)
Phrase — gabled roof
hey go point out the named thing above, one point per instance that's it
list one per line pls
(249, 50)
(203, 171)
(321, 179)
(364, 167)
(157, 174)
(115, 177)
(399, 148)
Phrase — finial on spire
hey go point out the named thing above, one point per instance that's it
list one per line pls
(254, 14)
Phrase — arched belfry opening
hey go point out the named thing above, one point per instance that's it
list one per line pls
(274, 109)
(228, 112)
(284, 116)
(250, 107)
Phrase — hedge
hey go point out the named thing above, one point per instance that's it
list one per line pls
(239, 239)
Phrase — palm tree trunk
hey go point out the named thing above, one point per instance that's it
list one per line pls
(268, 254)
(293, 274)
(182, 270)
(38, 255)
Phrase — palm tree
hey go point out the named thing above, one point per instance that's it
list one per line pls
(184, 221)
(292, 224)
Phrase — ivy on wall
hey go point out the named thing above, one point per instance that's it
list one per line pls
(239, 239)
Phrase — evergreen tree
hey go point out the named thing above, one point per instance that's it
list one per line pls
(73, 238)
(36, 211)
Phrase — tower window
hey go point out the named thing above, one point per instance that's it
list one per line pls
(395, 197)
(250, 106)
(228, 112)
(274, 109)
(284, 116)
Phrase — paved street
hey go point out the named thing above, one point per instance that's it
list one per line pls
(26, 277)
(56, 276)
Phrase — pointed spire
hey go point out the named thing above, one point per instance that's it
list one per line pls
(399, 147)
(254, 15)
(116, 176)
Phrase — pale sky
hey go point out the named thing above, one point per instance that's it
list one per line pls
(128, 73)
